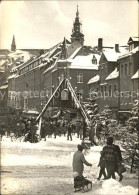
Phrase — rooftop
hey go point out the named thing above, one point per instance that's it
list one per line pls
(111, 55)
(95, 79)
(113, 75)
(133, 51)
(136, 75)
(83, 62)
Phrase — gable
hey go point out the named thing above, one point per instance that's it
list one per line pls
(70, 100)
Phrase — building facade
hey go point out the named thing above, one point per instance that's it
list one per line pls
(105, 84)
(117, 80)
(34, 81)
(128, 73)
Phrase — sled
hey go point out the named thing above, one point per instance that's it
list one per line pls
(82, 184)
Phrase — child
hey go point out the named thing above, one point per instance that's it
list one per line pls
(102, 167)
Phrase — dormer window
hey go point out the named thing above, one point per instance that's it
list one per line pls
(94, 60)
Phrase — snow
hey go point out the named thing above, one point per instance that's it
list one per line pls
(113, 187)
(136, 75)
(103, 84)
(113, 75)
(75, 52)
(2, 62)
(12, 76)
(94, 79)
(83, 62)
(60, 155)
(135, 50)
(4, 87)
(32, 112)
(111, 55)
(97, 56)
(2, 70)
(18, 53)
(133, 39)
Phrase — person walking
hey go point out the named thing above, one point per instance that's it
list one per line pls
(111, 158)
(102, 167)
(120, 161)
(69, 132)
(79, 161)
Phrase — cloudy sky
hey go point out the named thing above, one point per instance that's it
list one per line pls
(42, 24)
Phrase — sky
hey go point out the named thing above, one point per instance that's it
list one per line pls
(43, 24)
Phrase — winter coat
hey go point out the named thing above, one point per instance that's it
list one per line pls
(110, 153)
(118, 151)
(69, 130)
(78, 161)
(101, 162)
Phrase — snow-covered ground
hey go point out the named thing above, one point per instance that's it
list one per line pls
(46, 168)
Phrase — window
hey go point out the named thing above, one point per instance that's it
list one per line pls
(25, 103)
(115, 88)
(80, 78)
(102, 90)
(79, 96)
(9, 99)
(110, 92)
(122, 70)
(94, 60)
(130, 68)
(126, 72)
(18, 106)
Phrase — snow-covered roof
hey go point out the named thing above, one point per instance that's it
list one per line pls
(18, 53)
(83, 62)
(4, 87)
(136, 75)
(94, 79)
(2, 62)
(123, 49)
(12, 76)
(113, 75)
(103, 84)
(133, 51)
(51, 67)
(75, 52)
(111, 55)
(133, 39)
(1, 69)
(97, 56)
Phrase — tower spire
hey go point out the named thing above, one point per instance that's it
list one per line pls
(76, 32)
(77, 13)
(13, 45)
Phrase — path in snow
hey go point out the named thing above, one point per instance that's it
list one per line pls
(45, 168)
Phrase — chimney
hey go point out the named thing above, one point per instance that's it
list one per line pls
(117, 48)
(100, 42)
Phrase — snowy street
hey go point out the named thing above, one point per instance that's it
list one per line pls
(45, 168)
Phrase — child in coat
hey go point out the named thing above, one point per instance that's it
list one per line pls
(102, 167)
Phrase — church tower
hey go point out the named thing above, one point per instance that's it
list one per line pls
(13, 45)
(76, 31)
